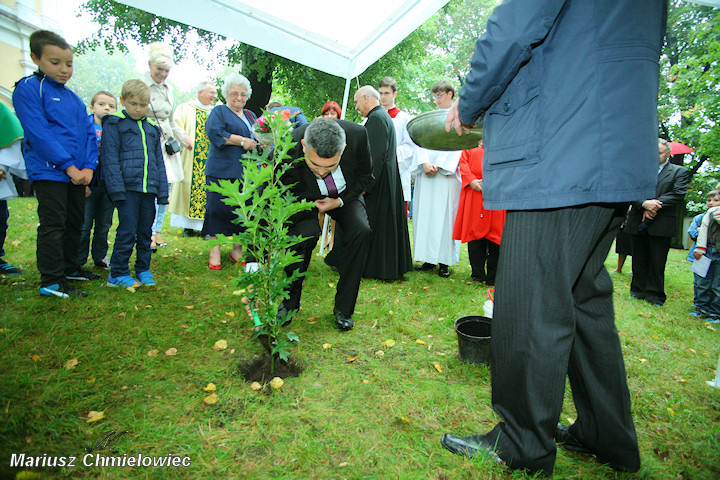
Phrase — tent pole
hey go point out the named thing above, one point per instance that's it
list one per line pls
(345, 97)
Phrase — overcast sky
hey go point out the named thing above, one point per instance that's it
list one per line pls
(185, 75)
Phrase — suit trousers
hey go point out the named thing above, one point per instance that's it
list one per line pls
(554, 318)
(649, 257)
(61, 211)
(355, 242)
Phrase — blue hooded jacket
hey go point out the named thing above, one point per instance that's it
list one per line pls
(57, 133)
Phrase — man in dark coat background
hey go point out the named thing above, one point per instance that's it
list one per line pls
(568, 90)
(652, 223)
(336, 171)
(389, 256)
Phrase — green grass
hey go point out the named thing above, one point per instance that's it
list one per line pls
(379, 417)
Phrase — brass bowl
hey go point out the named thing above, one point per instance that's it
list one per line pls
(427, 130)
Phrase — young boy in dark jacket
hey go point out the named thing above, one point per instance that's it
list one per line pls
(60, 153)
(134, 174)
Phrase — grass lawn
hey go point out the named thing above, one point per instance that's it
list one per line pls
(354, 413)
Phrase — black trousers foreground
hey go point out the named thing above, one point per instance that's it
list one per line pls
(61, 212)
(355, 242)
(554, 319)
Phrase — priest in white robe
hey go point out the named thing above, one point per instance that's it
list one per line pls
(187, 199)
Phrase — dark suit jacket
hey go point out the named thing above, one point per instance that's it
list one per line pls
(355, 162)
(672, 186)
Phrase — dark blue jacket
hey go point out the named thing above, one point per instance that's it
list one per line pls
(132, 157)
(57, 133)
(223, 160)
(569, 90)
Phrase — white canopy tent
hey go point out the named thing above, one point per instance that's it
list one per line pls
(338, 37)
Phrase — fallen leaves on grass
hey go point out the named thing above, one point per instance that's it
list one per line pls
(276, 383)
(327, 345)
(437, 366)
(389, 343)
(70, 364)
(35, 358)
(211, 399)
(421, 342)
(679, 379)
(379, 353)
(210, 387)
(256, 386)
(171, 352)
(94, 416)
(189, 307)
(153, 353)
(352, 358)
(220, 345)
(230, 314)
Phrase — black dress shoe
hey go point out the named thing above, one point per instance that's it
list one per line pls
(469, 446)
(343, 321)
(424, 267)
(568, 441)
(443, 270)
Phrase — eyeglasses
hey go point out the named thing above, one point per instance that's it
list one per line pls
(212, 94)
(236, 94)
(438, 95)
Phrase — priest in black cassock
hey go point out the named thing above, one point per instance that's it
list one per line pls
(389, 257)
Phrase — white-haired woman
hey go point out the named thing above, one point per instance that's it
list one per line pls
(229, 128)
(161, 110)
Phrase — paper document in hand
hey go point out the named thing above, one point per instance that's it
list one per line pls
(701, 266)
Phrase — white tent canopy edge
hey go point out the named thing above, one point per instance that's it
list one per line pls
(338, 37)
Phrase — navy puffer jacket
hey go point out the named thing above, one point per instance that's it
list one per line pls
(132, 157)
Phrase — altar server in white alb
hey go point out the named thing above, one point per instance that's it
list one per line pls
(406, 148)
(435, 202)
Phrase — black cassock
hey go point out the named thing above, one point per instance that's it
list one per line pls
(389, 255)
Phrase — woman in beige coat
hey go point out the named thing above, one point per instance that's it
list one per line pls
(161, 110)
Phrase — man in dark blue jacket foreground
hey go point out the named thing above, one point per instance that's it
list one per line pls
(569, 93)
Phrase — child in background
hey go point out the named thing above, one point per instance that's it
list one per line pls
(11, 163)
(134, 176)
(707, 289)
(98, 206)
(60, 150)
(712, 200)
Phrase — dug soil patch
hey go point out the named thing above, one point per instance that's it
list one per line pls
(257, 369)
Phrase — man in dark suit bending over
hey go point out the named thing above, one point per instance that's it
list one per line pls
(336, 170)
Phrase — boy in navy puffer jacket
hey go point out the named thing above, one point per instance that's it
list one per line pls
(60, 153)
(134, 175)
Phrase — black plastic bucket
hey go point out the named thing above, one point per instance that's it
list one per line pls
(473, 334)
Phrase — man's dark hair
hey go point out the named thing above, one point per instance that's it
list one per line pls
(40, 38)
(326, 137)
(388, 82)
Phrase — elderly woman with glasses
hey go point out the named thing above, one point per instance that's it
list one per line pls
(229, 128)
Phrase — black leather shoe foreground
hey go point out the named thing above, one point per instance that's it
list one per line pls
(568, 441)
(469, 446)
(343, 322)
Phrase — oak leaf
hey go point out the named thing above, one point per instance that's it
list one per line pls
(211, 399)
(70, 364)
(94, 416)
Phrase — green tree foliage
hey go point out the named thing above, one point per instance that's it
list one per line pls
(689, 104)
(96, 70)
(439, 49)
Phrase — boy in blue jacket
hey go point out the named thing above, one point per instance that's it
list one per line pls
(60, 153)
(134, 173)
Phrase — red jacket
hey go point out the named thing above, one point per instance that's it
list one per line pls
(473, 222)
